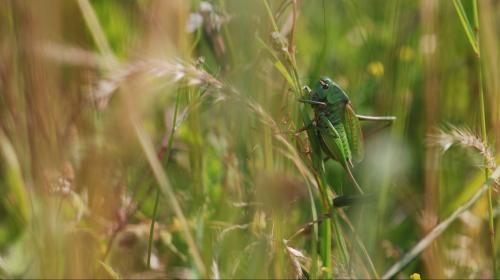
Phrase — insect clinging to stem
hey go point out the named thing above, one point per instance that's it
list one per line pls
(337, 125)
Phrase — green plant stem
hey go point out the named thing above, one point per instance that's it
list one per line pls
(227, 35)
(326, 245)
(158, 191)
(152, 228)
(474, 41)
(97, 33)
(314, 239)
(491, 219)
(270, 14)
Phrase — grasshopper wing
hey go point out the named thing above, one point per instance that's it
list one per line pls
(354, 133)
(334, 142)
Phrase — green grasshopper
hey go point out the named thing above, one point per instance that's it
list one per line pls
(337, 125)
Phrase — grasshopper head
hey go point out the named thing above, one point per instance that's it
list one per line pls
(328, 91)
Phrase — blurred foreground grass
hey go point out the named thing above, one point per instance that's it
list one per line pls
(105, 104)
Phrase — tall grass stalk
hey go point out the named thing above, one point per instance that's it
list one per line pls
(475, 43)
(482, 111)
(161, 155)
(166, 188)
(97, 33)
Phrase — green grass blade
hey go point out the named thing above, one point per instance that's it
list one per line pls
(339, 237)
(466, 25)
(158, 192)
(14, 196)
(281, 68)
(270, 14)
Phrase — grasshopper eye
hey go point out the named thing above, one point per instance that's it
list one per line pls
(323, 84)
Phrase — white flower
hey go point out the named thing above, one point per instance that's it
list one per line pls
(206, 7)
(194, 22)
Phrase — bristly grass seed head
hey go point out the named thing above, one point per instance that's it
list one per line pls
(464, 137)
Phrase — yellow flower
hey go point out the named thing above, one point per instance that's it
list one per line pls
(415, 276)
(376, 68)
(177, 224)
(406, 53)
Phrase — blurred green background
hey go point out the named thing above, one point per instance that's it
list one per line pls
(112, 111)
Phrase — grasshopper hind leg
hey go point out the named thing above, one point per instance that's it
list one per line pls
(351, 176)
(354, 180)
